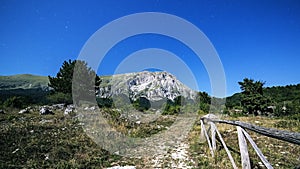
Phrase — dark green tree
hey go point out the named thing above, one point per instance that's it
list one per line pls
(74, 79)
(85, 83)
(142, 104)
(63, 81)
(253, 100)
(204, 101)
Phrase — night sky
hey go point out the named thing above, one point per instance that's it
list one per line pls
(255, 39)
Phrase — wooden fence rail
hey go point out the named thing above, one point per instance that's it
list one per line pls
(210, 119)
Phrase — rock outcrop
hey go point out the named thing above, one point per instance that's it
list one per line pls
(154, 86)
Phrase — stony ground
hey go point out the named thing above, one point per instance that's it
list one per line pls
(31, 140)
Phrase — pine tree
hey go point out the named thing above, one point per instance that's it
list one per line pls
(75, 80)
(63, 80)
(253, 100)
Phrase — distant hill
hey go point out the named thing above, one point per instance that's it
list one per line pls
(31, 87)
(23, 81)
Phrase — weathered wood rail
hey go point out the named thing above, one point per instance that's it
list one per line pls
(291, 137)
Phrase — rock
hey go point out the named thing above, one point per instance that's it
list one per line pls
(45, 121)
(90, 108)
(26, 110)
(124, 167)
(58, 106)
(154, 86)
(70, 108)
(45, 111)
(2, 111)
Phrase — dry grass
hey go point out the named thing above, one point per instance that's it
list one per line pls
(279, 153)
(55, 141)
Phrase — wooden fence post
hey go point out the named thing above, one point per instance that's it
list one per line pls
(257, 150)
(225, 147)
(207, 138)
(213, 136)
(243, 149)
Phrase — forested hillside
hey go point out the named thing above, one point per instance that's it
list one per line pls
(284, 99)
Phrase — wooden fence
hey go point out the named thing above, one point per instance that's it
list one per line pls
(210, 120)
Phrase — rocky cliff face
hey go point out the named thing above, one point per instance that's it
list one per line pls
(154, 86)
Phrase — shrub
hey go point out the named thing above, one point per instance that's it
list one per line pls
(16, 102)
(59, 97)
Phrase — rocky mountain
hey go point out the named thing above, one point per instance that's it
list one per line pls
(154, 86)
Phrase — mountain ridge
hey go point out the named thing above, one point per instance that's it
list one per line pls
(23, 81)
(151, 85)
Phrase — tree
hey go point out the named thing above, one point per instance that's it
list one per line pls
(74, 80)
(142, 104)
(63, 80)
(85, 83)
(253, 100)
(204, 101)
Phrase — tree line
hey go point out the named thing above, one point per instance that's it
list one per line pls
(259, 100)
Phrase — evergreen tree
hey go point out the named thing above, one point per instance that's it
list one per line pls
(253, 100)
(84, 80)
(63, 80)
(85, 83)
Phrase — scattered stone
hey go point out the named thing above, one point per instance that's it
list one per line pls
(70, 108)
(26, 110)
(2, 111)
(46, 156)
(67, 111)
(120, 167)
(90, 108)
(58, 106)
(45, 111)
(45, 121)
(15, 150)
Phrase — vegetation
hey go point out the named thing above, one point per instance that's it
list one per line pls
(23, 81)
(253, 99)
(83, 78)
(51, 141)
(277, 100)
(142, 104)
(30, 89)
(279, 153)
(58, 141)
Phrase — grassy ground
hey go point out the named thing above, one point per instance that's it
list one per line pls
(56, 141)
(279, 153)
(49, 141)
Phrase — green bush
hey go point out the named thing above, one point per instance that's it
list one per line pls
(16, 102)
(142, 104)
(59, 97)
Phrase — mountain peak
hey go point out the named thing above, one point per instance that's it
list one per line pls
(154, 86)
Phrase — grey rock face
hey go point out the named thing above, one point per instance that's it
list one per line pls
(154, 86)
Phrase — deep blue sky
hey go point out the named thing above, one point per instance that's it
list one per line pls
(255, 39)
